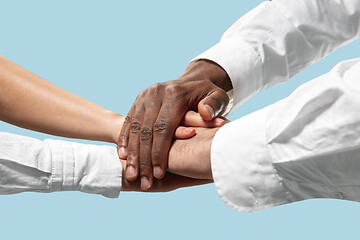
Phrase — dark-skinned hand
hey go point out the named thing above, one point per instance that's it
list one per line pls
(147, 133)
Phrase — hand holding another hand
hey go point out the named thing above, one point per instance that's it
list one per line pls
(189, 163)
(146, 135)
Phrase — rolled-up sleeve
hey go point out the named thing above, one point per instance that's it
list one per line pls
(304, 146)
(28, 164)
(279, 39)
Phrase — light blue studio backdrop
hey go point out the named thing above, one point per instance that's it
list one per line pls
(109, 51)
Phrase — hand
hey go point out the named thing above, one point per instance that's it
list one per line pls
(191, 157)
(146, 135)
(169, 183)
(191, 118)
(172, 181)
(189, 162)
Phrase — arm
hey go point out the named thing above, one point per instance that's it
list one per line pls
(267, 46)
(29, 101)
(31, 165)
(279, 39)
(147, 133)
(28, 164)
(304, 146)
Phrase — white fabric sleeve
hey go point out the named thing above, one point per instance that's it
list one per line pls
(279, 39)
(28, 164)
(304, 146)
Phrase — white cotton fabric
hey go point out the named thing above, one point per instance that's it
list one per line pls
(279, 39)
(304, 146)
(28, 164)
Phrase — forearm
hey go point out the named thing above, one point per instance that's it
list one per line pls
(304, 146)
(31, 102)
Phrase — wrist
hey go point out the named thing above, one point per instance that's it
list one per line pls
(114, 122)
(209, 71)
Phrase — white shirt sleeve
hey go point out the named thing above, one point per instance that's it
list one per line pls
(28, 164)
(279, 39)
(304, 146)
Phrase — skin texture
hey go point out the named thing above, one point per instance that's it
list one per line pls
(147, 132)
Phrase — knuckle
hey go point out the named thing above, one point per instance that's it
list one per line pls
(145, 166)
(128, 119)
(217, 102)
(135, 127)
(161, 126)
(151, 104)
(157, 87)
(123, 138)
(146, 134)
(219, 98)
(174, 90)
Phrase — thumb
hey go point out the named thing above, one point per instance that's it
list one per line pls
(213, 104)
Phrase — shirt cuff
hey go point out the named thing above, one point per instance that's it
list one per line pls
(86, 168)
(243, 66)
(242, 169)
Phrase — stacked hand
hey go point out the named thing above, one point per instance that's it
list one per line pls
(189, 162)
(146, 136)
(147, 133)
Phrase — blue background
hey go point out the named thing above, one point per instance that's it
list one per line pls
(109, 51)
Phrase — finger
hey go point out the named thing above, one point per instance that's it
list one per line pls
(169, 183)
(124, 134)
(172, 182)
(184, 132)
(163, 131)
(146, 138)
(132, 163)
(213, 104)
(194, 119)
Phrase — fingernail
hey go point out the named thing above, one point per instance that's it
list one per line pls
(189, 130)
(122, 152)
(145, 184)
(158, 172)
(211, 110)
(130, 172)
(219, 121)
